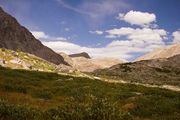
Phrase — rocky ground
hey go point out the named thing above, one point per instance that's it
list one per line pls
(21, 60)
(157, 71)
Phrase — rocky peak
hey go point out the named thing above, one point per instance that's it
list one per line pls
(83, 54)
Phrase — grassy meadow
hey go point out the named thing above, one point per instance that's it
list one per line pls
(31, 95)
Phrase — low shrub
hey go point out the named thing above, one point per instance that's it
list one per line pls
(43, 94)
(14, 88)
(97, 109)
(16, 112)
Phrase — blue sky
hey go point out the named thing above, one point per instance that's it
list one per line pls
(103, 28)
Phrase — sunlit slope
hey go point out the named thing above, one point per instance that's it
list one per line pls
(21, 60)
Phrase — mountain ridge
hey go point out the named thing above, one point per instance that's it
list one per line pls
(16, 37)
(82, 54)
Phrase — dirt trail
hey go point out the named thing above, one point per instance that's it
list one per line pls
(168, 87)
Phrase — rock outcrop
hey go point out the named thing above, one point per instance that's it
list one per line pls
(83, 54)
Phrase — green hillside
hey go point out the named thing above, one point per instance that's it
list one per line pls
(21, 60)
(30, 95)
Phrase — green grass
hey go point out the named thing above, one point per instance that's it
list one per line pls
(30, 95)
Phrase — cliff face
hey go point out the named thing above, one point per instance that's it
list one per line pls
(16, 37)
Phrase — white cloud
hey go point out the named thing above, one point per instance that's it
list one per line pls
(98, 32)
(132, 46)
(147, 34)
(39, 34)
(138, 18)
(144, 34)
(59, 39)
(110, 36)
(176, 36)
(60, 46)
(138, 40)
(43, 36)
(120, 32)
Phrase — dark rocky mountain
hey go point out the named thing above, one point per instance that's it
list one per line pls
(16, 37)
(156, 71)
(83, 54)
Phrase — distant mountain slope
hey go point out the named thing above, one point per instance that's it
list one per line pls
(16, 37)
(89, 65)
(164, 52)
(67, 58)
(157, 71)
(107, 62)
(85, 64)
(83, 54)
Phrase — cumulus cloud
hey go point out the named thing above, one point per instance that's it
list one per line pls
(119, 32)
(144, 34)
(43, 36)
(60, 46)
(139, 18)
(139, 40)
(98, 32)
(110, 36)
(176, 36)
(132, 46)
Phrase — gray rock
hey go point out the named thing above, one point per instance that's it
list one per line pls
(27, 66)
(2, 62)
(16, 61)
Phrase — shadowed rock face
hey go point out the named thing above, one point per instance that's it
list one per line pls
(83, 54)
(16, 37)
